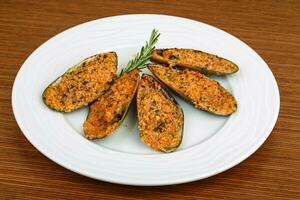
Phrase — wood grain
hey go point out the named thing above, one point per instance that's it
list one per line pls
(272, 28)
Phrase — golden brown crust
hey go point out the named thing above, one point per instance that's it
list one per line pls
(194, 59)
(108, 111)
(202, 92)
(160, 119)
(82, 84)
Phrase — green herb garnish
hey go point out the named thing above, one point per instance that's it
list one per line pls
(140, 60)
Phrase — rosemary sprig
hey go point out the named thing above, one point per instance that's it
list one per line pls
(140, 60)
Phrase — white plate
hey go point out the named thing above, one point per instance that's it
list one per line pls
(211, 144)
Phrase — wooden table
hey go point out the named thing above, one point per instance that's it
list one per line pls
(272, 28)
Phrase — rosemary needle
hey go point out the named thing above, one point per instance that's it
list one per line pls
(140, 60)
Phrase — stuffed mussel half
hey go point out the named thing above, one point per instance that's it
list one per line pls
(160, 117)
(196, 88)
(82, 83)
(194, 59)
(109, 110)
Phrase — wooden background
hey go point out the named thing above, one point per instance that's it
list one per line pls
(272, 28)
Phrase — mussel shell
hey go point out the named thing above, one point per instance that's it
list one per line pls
(166, 94)
(51, 101)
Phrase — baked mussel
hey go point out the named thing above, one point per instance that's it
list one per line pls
(82, 83)
(160, 117)
(196, 88)
(109, 110)
(194, 59)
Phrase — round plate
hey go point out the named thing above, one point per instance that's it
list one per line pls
(211, 144)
